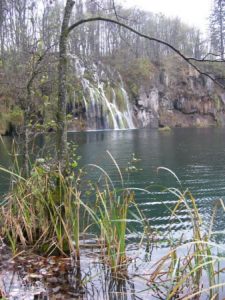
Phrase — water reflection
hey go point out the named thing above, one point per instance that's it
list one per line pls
(32, 277)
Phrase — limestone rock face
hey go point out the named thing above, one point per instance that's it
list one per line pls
(180, 99)
(147, 108)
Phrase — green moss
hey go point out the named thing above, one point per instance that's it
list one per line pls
(120, 101)
(108, 92)
(134, 89)
(111, 124)
(217, 102)
(137, 73)
(88, 75)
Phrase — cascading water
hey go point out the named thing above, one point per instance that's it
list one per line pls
(105, 106)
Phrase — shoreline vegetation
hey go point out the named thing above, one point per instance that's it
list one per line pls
(58, 218)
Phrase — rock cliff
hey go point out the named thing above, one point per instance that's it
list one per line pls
(180, 97)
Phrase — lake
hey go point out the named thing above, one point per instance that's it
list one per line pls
(196, 156)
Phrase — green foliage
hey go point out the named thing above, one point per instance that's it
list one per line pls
(45, 212)
(112, 214)
(16, 116)
(69, 117)
(12, 118)
(112, 210)
(40, 211)
(88, 75)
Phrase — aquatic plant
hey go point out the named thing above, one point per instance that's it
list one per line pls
(44, 211)
(112, 207)
(164, 129)
(111, 216)
(40, 210)
(190, 268)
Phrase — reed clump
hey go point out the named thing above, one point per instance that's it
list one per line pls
(49, 211)
(111, 217)
(41, 211)
(111, 213)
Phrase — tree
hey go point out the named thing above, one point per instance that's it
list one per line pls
(217, 28)
(62, 72)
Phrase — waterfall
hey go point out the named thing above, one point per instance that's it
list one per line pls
(106, 105)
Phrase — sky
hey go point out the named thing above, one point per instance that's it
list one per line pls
(192, 12)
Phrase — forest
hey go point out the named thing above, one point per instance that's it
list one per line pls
(111, 152)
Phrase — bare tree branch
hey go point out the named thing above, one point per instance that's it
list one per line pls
(206, 60)
(188, 60)
(213, 54)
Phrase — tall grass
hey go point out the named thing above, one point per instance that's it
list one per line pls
(46, 211)
(112, 207)
(111, 216)
(189, 269)
(42, 211)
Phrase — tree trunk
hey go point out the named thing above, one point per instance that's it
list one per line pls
(221, 29)
(61, 115)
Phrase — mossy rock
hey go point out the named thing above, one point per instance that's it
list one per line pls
(217, 102)
(165, 129)
(108, 92)
(120, 101)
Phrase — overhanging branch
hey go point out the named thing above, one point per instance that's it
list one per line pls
(187, 59)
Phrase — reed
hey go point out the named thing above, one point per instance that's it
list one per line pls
(42, 211)
(46, 212)
(190, 269)
(112, 206)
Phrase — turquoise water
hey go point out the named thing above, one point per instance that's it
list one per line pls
(197, 156)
